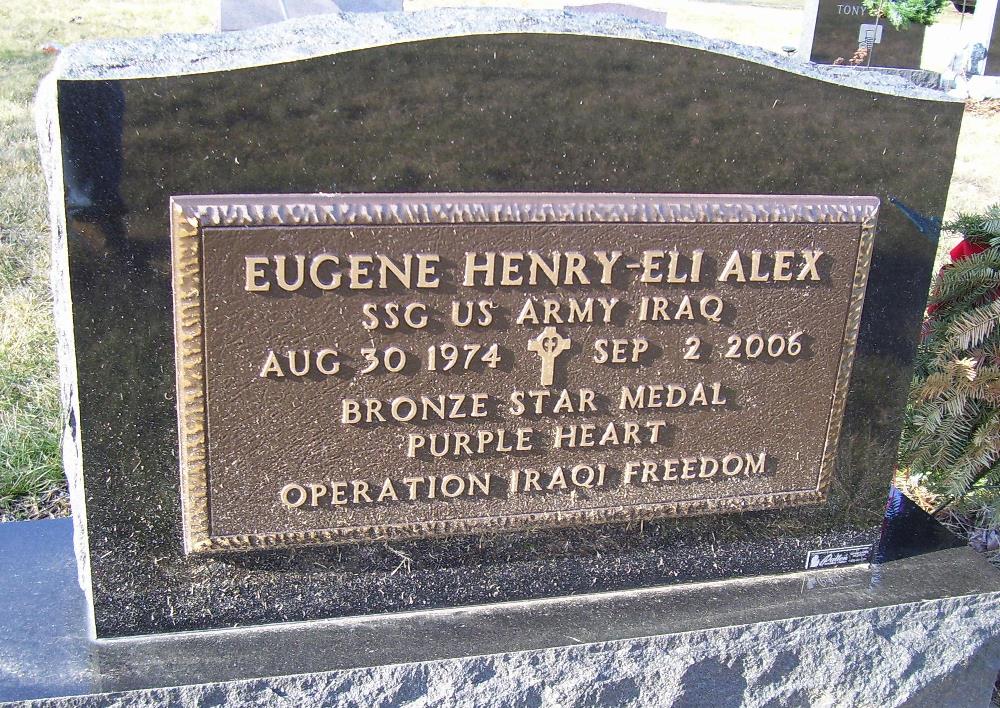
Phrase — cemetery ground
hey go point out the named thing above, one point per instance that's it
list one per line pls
(31, 479)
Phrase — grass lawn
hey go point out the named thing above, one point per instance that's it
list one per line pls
(31, 479)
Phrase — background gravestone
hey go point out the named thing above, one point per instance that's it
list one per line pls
(993, 49)
(841, 27)
(242, 15)
(246, 14)
(653, 17)
(453, 103)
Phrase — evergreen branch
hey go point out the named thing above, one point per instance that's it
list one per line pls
(970, 329)
(976, 228)
(973, 280)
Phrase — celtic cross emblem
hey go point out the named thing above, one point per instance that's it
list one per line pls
(548, 345)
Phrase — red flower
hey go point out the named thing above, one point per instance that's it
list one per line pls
(964, 249)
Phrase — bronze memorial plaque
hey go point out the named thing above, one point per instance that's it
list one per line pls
(365, 366)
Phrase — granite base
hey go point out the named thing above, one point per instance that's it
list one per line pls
(922, 627)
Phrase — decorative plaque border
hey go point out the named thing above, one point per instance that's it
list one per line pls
(190, 214)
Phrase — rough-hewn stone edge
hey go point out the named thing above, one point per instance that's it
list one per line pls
(50, 153)
(938, 652)
(320, 35)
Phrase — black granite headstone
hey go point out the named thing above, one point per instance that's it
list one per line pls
(993, 50)
(451, 103)
(843, 27)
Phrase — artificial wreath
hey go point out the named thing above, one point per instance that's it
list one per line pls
(951, 437)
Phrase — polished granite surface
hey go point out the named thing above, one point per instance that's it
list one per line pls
(515, 112)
